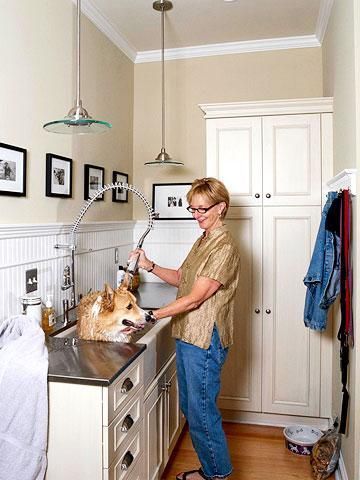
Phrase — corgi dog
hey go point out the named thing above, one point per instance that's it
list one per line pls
(110, 315)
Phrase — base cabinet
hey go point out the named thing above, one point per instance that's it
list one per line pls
(163, 420)
(97, 432)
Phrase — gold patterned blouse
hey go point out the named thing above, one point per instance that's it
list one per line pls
(215, 256)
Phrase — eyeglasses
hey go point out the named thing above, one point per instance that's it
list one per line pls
(199, 210)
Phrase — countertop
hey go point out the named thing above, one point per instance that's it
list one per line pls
(100, 363)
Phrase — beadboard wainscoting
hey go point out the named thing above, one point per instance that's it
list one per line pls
(23, 247)
(168, 243)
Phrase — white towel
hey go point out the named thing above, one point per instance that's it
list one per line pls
(23, 399)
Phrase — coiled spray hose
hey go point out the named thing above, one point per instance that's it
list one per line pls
(151, 215)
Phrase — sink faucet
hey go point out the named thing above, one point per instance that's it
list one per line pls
(67, 283)
(66, 279)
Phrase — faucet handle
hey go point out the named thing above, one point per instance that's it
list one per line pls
(65, 310)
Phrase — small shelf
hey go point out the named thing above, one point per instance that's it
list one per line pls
(345, 179)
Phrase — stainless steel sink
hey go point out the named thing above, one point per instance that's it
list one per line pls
(157, 337)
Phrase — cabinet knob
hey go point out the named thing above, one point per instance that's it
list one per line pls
(127, 460)
(126, 386)
(257, 310)
(268, 195)
(257, 195)
(127, 423)
(268, 310)
(166, 386)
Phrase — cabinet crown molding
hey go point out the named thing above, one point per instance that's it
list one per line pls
(268, 107)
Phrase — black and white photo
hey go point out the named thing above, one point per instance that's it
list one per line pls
(58, 176)
(12, 170)
(120, 194)
(93, 181)
(169, 201)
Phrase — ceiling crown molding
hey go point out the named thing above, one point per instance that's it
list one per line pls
(284, 43)
(323, 19)
(103, 24)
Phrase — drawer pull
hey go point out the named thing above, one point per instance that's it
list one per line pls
(257, 195)
(166, 386)
(127, 461)
(127, 423)
(126, 386)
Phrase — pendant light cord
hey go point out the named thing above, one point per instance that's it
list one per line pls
(163, 77)
(78, 101)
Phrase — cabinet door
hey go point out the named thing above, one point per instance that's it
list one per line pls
(173, 427)
(234, 156)
(292, 160)
(291, 352)
(154, 426)
(241, 378)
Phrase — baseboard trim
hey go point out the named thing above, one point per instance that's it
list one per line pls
(273, 420)
(340, 473)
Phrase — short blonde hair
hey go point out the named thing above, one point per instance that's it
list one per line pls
(213, 189)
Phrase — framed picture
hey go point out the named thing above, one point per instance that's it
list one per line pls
(58, 176)
(12, 170)
(120, 194)
(169, 201)
(93, 180)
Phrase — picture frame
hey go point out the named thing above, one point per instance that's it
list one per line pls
(12, 170)
(120, 194)
(169, 201)
(58, 176)
(93, 180)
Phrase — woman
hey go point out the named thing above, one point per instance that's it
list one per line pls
(202, 323)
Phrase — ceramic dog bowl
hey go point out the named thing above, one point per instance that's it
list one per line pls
(300, 439)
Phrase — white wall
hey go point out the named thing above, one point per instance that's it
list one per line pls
(341, 80)
(37, 84)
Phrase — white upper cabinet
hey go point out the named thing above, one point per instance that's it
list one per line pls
(234, 155)
(291, 167)
(269, 153)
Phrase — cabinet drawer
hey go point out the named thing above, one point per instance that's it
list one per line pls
(118, 394)
(122, 427)
(131, 455)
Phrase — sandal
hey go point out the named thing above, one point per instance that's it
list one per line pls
(189, 472)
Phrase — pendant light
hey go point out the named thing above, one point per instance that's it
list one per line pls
(77, 121)
(163, 158)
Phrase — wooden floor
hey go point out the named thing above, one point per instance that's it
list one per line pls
(257, 453)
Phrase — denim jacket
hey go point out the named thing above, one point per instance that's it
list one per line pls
(323, 277)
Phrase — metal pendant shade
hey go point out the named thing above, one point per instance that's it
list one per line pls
(163, 158)
(77, 121)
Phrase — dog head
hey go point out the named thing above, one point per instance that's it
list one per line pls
(110, 315)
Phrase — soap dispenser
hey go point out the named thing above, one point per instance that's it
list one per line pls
(48, 315)
(120, 275)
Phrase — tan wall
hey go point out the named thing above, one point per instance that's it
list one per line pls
(255, 76)
(37, 84)
(340, 81)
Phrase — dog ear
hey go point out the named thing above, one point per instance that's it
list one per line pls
(109, 293)
(126, 282)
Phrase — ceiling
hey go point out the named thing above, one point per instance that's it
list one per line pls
(208, 27)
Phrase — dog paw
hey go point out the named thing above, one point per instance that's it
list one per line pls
(149, 317)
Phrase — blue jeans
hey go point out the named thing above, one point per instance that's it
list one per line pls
(198, 373)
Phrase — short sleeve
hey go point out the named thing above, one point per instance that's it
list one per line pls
(222, 265)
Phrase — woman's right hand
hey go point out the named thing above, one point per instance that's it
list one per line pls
(143, 261)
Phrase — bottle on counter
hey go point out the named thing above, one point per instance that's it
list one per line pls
(31, 306)
(48, 315)
(120, 275)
